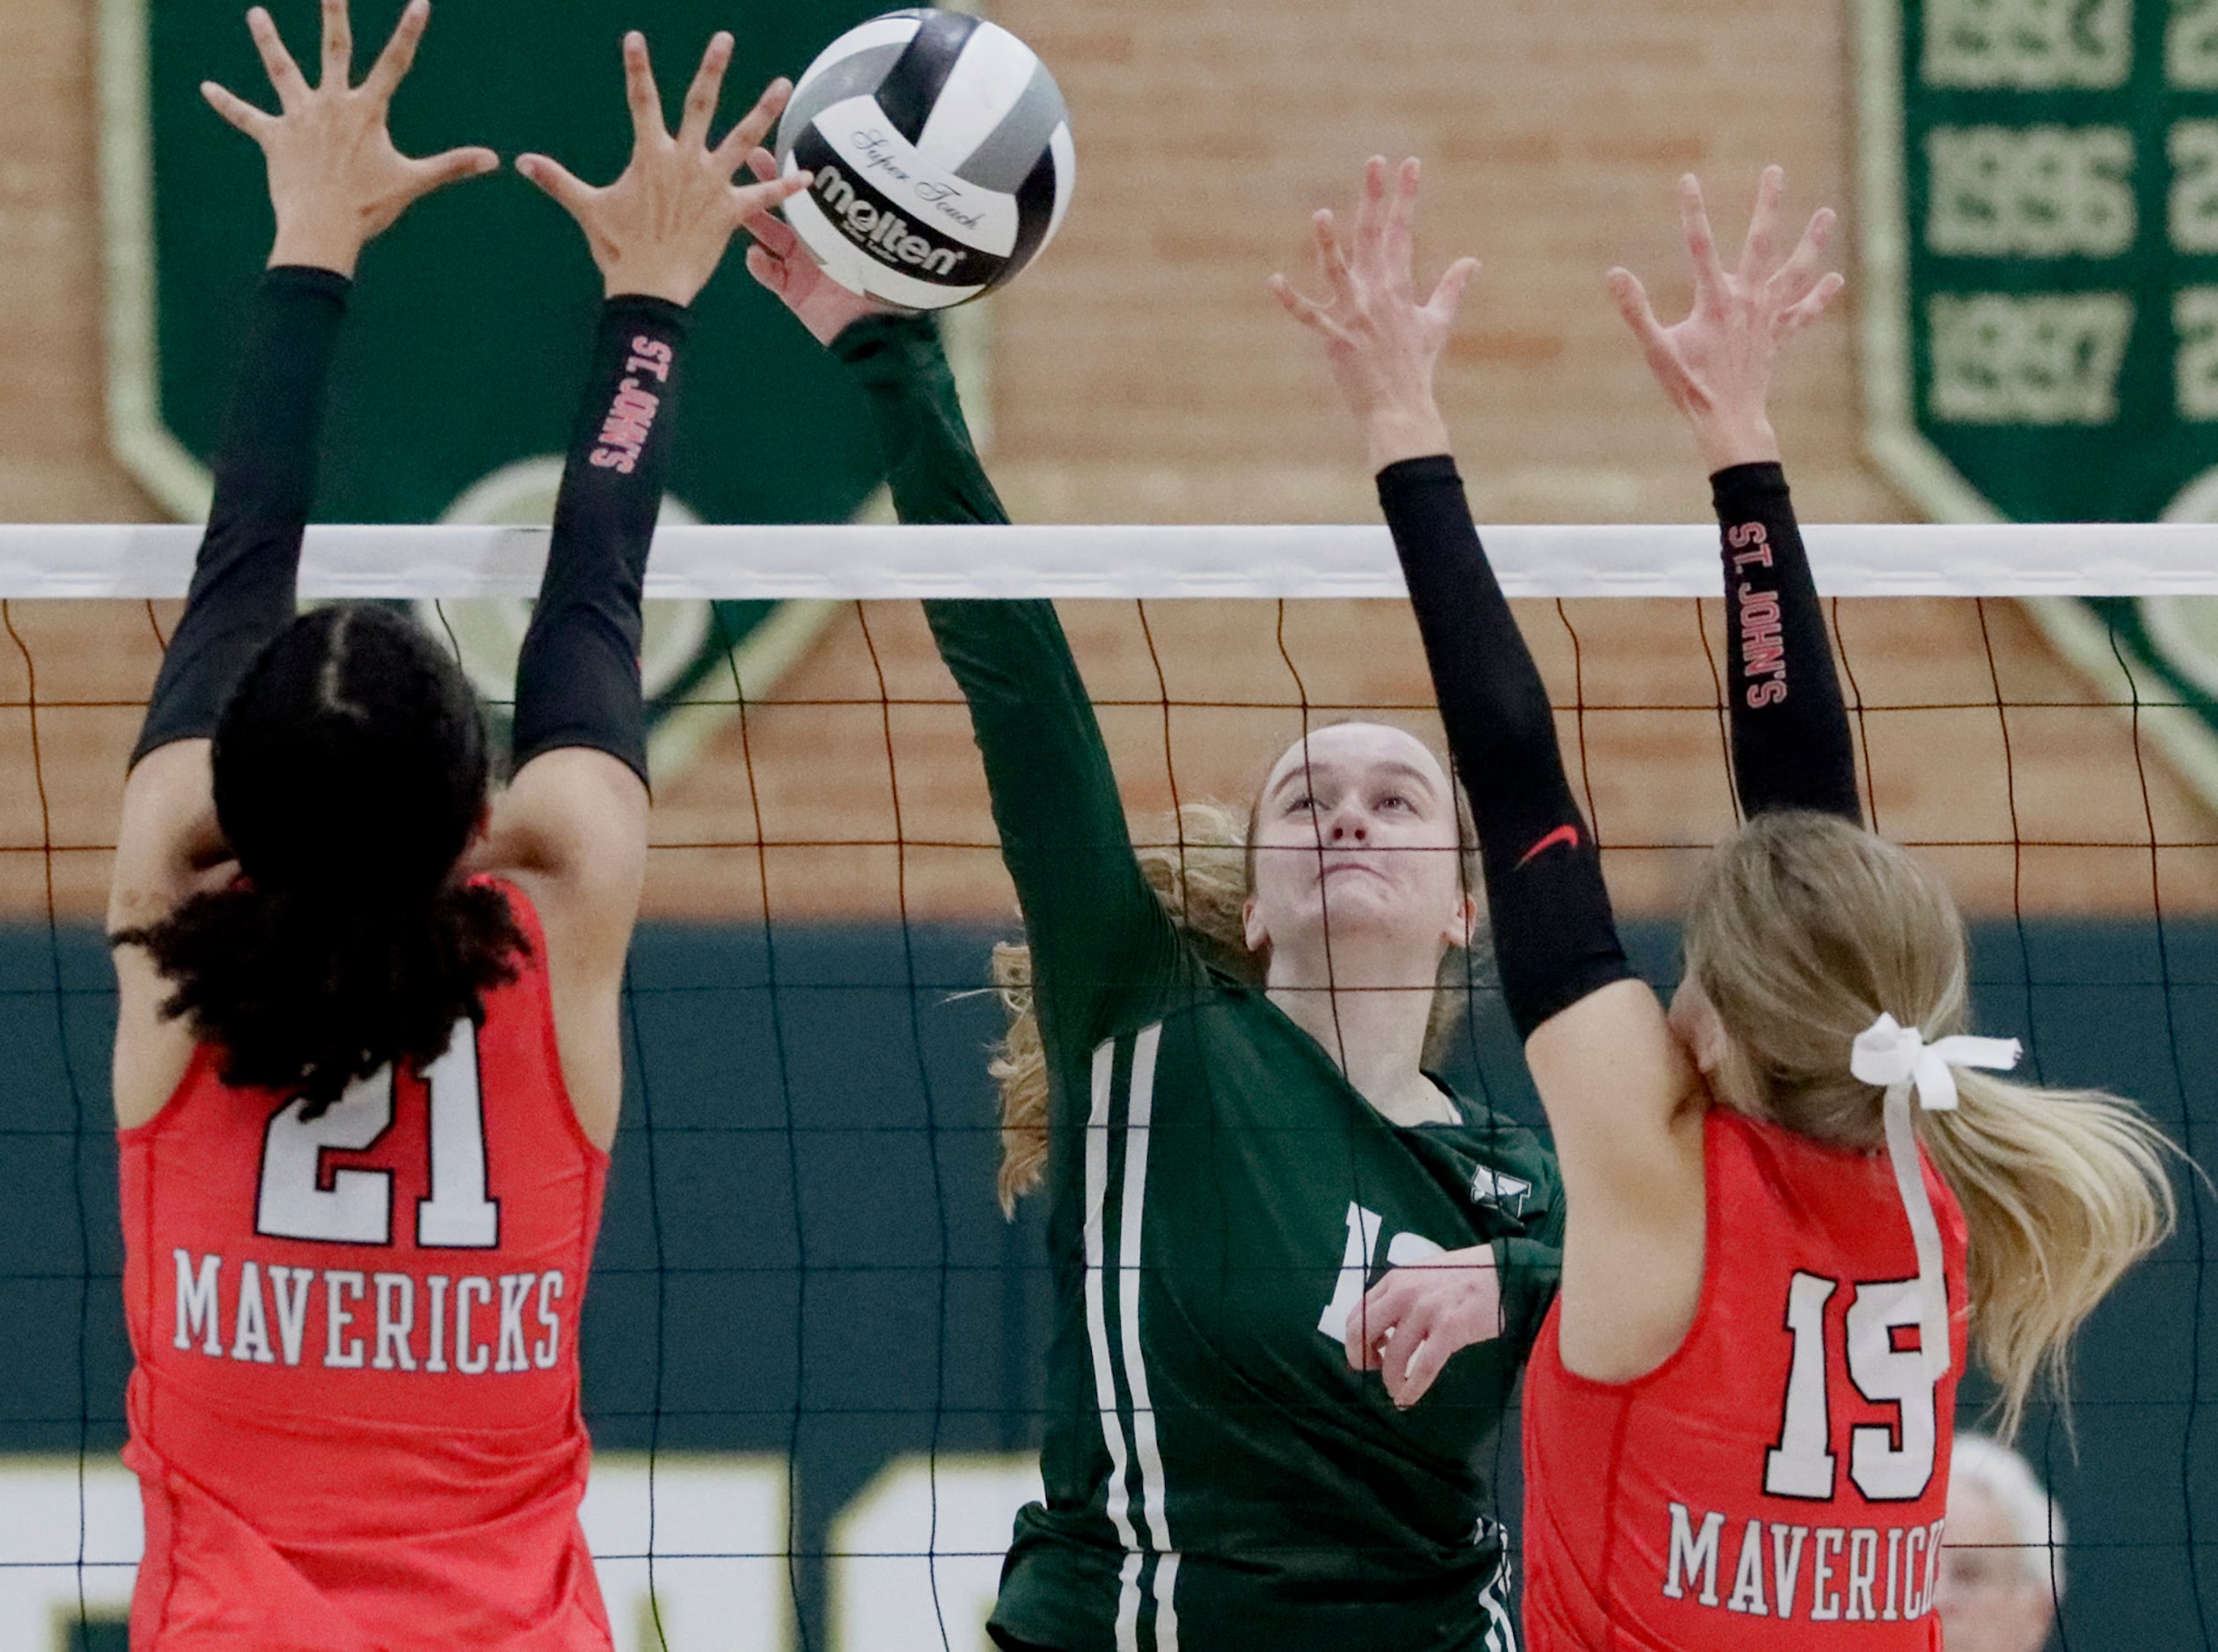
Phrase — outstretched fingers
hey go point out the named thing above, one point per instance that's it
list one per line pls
(1447, 292)
(285, 77)
(702, 95)
(399, 55)
(337, 46)
(1814, 303)
(752, 202)
(1702, 244)
(1306, 311)
(436, 172)
(745, 140)
(1398, 238)
(236, 111)
(1332, 258)
(1801, 272)
(1631, 299)
(1372, 211)
(570, 191)
(1755, 252)
(641, 93)
(773, 235)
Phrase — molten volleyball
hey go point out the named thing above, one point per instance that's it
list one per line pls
(942, 157)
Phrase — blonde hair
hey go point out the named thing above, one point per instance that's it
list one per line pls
(1803, 929)
(1203, 876)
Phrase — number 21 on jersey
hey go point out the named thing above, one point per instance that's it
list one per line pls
(1802, 1465)
(293, 1200)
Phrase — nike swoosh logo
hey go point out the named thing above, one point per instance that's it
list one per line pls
(1567, 835)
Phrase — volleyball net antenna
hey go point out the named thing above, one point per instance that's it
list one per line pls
(814, 1350)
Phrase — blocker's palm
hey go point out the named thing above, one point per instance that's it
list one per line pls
(663, 227)
(1716, 365)
(335, 179)
(1383, 343)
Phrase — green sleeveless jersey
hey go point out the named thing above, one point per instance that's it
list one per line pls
(1219, 1197)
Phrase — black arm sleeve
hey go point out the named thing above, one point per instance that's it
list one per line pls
(1791, 748)
(249, 561)
(577, 680)
(1554, 938)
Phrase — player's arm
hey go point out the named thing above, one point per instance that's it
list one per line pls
(1791, 747)
(335, 182)
(571, 827)
(1101, 941)
(1620, 1096)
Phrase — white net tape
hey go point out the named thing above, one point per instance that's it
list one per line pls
(743, 563)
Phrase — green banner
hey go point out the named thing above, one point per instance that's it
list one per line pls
(2040, 234)
(460, 374)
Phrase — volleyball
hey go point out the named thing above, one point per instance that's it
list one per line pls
(941, 155)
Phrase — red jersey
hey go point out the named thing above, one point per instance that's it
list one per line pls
(1781, 1480)
(355, 1410)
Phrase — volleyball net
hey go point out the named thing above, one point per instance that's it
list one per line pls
(814, 1350)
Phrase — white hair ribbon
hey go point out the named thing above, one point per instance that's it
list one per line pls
(1897, 1057)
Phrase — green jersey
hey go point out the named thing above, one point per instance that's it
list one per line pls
(1219, 1198)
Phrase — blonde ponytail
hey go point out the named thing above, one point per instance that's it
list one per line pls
(1803, 929)
(2063, 1191)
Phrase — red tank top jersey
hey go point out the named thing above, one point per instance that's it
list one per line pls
(354, 1414)
(1781, 1480)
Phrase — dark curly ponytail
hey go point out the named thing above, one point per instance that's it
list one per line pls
(350, 774)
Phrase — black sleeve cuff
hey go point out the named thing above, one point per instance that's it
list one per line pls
(1741, 491)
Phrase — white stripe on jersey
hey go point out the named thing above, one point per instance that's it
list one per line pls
(1096, 1319)
(1144, 1445)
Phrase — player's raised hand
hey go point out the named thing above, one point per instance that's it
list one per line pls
(335, 179)
(663, 227)
(1383, 341)
(1411, 1323)
(1716, 365)
(780, 262)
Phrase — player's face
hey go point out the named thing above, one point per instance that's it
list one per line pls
(1356, 829)
(1987, 1600)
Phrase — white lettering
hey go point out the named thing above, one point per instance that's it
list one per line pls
(396, 1318)
(2191, 48)
(199, 1302)
(1825, 1604)
(2047, 359)
(1748, 1574)
(2194, 319)
(1913, 1602)
(515, 1290)
(339, 1282)
(2028, 45)
(1863, 1571)
(1886, 1375)
(1894, 1573)
(438, 1360)
(1932, 1564)
(2030, 191)
(1786, 1566)
(288, 1288)
(544, 1351)
(1696, 1553)
(251, 1342)
(470, 1359)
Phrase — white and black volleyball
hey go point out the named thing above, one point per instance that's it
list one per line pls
(942, 157)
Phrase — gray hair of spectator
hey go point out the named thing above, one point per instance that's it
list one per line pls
(2033, 1513)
